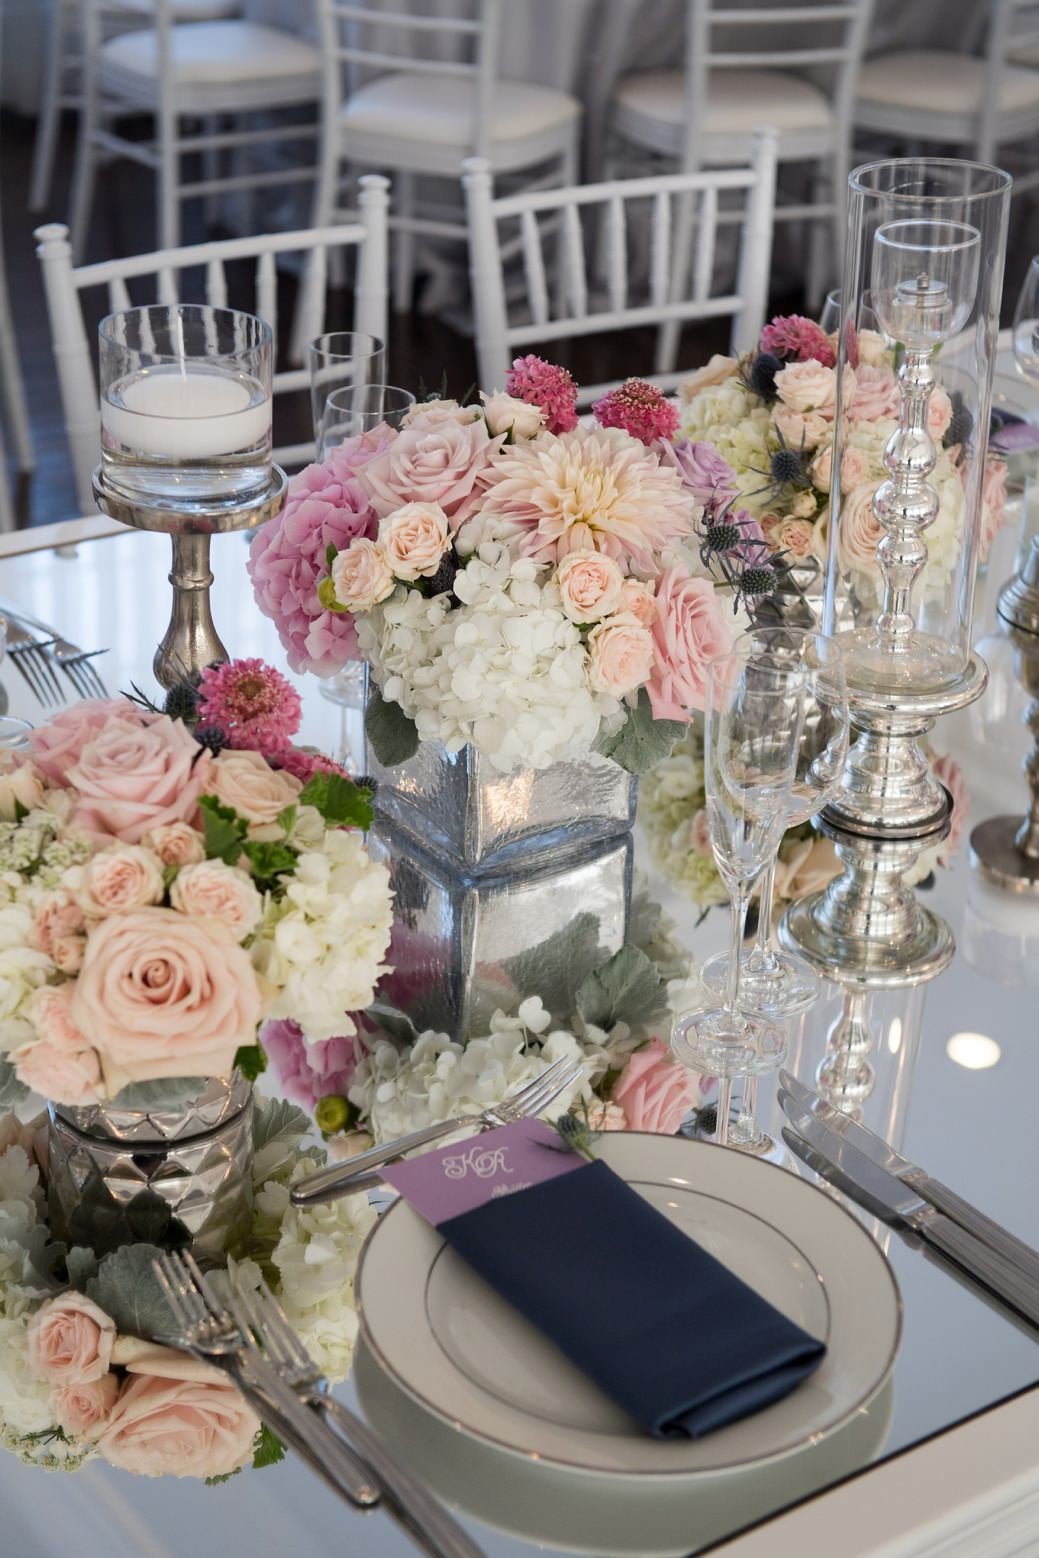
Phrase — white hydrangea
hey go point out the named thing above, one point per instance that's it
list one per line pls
(320, 948)
(22, 970)
(507, 670)
(738, 424)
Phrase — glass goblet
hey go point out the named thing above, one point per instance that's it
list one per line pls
(361, 409)
(774, 982)
(342, 359)
(755, 711)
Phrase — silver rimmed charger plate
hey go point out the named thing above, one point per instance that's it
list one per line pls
(463, 1353)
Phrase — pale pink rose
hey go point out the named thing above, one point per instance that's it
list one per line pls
(948, 772)
(655, 1092)
(82, 1411)
(436, 411)
(700, 834)
(434, 459)
(243, 779)
(807, 869)
(590, 585)
(621, 652)
(224, 892)
(716, 371)
(939, 413)
(873, 349)
(121, 877)
(822, 468)
(133, 776)
(175, 844)
(69, 1340)
(858, 530)
(507, 414)
(690, 631)
(56, 745)
(21, 785)
(876, 394)
(993, 503)
(637, 599)
(854, 468)
(606, 1116)
(415, 538)
(56, 916)
(361, 576)
(68, 1076)
(50, 1012)
(804, 506)
(178, 1427)
(163, 995)
(799, 431)
(807, 386)
(67, 953)
(795, 536)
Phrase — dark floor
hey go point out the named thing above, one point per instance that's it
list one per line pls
(423, 349)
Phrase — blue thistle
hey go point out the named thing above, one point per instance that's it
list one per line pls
(723, 537)
(211, 737)
(758, 581)
(762, 375)
(786, 467)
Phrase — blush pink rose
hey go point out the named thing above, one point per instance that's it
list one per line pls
(795, 537)
(700, 834)
(590, 585)
(858, 529)
(876, 394)
(822, 469)
(133, 776)
(715, 371)
(67, 953)
(690, 631)
(854, 468)
(69, 1340)
(637, 599)
(161, 1427)
(21, 785)
(415, 538)
(939, 413)
(246, 781)
(50, 1012)
(58, 915)
(163, 995)
(56, 1071)
(121, 877)
(83, 1410)
(655, 1092)
(433, 460)
(361, 576)
(807, 386)
(223, 892)
(55, 746)
(507, 414)
(621, 653)
(606, 1117)
(175, 844)
(993, 503)
(800, 430)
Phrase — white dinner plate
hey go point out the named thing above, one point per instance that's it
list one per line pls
(466, 1355)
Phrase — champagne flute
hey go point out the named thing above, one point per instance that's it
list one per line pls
(773, 982)
(754, 716)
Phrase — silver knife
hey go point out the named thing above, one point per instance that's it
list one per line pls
(940, 1196)
(885, 1195)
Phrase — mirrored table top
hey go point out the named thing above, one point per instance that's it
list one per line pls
(960, 1353)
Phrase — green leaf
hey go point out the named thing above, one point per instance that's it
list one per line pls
(21, 811)
(548, 968)
(268, 1449)
(331, 553)
(225, 830)
(287, 818)
(326, 594)
(392, 734)
(626, 989)
(251, 1061)
(128, 1290)
(339, 800)
(81, 1265)
(270, 859)
(12, 1092)
(224, 1476)
(642, 740)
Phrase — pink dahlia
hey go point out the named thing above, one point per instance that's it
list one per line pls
(547, 386)
(640, 409)
(590, 490)
(251, 703)
(793, 338)
(308, 1072)
(326, 505)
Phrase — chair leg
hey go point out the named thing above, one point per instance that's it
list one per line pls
(669, 334)
(7, 515)
(568, 173)
(11, 382)
(404, 246)
(211, 170)
(50, 111)
(169, 192)
(83, 179)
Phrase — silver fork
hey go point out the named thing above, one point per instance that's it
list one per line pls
(411, 1503)
(75, 662)
(27, 653)
(208, 1330)
(344, 1179)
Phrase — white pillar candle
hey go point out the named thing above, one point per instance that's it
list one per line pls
(186, 413)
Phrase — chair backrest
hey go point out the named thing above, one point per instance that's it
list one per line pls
(64, 284)
(1013, 37)
(624, 207)
(818, 38)
(361, 39)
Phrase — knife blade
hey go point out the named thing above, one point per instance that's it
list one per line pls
(985, 1228)
(885, 1195)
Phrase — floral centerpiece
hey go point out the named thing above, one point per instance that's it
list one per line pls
(518, 581)
(164, 889)
(82, 1375)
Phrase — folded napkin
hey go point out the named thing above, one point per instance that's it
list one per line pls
(664, 1329)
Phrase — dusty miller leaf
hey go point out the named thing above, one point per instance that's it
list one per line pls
(642, 741)
(163, 1093)
(626, 989)
(81, 1265)
(128, 1290)
(11, 1090)
(276, 1120)
(547, 970)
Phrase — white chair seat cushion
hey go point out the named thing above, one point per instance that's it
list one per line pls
(439, 109)
(942, 82)
(737, 100)
(188, 10)
(208, 53)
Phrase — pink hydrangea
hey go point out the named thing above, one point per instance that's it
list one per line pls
(640, 409)
(547, 386)
(326, 505)
(793, 338)
(251, 703)
(309, 1072)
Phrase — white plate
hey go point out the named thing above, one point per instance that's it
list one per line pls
(463, 1353)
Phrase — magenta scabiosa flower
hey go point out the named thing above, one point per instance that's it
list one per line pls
(547, 386)
(251, 703)
(640, 409)
(793, 338)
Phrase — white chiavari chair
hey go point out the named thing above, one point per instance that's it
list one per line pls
(629, 210)
(64, 285)
(12, 397)
(417, 94)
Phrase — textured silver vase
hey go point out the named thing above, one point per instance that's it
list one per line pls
(174, 1176)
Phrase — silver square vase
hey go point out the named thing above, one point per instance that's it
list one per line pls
(178, 1177)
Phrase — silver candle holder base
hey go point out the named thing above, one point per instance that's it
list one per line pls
(191, 641)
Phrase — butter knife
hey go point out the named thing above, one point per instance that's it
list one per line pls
(940, 1196)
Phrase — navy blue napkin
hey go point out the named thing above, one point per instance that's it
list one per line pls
(664, 1329)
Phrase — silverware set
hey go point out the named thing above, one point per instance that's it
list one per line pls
(361, 1172)
(246, 1334)
(865, 1168)
(39, 653)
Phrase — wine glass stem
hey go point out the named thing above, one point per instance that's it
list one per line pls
(763, 940)
(739, 921)
(721, 1133)
(747, 1125)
